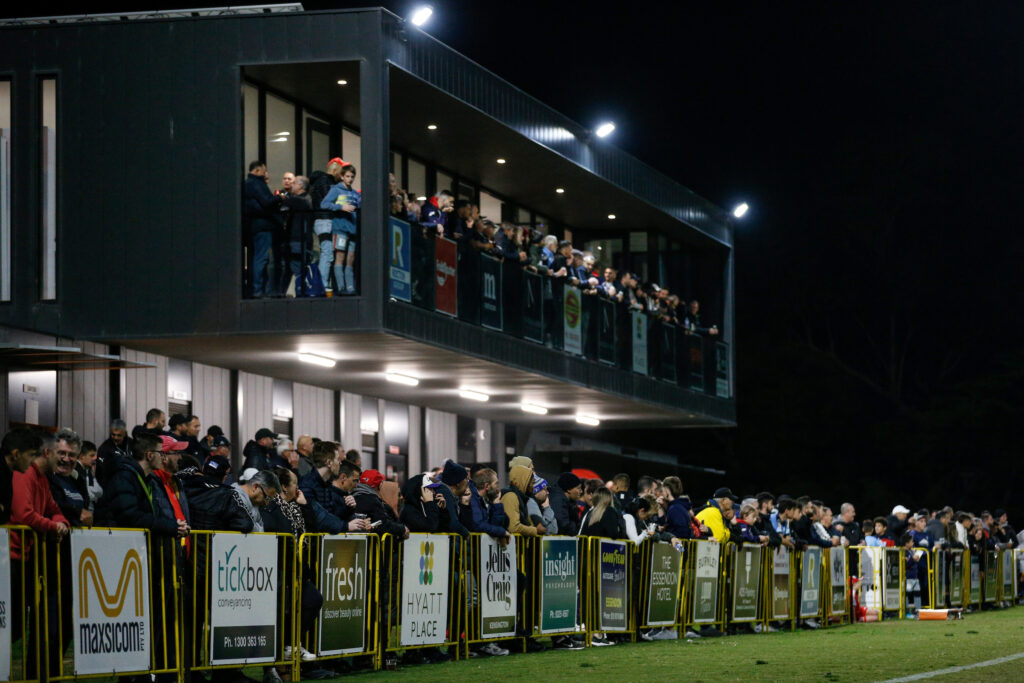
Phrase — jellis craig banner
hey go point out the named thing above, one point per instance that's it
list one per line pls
(424, 605)
(705, 586)
(343, 578)
(746, 583)
(110, 601)
(500, 586)
(243, 598)
(559, 588)
(663, 599)
(613, 598)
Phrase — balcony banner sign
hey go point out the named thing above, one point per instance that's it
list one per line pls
(559, 586)
(572, 312)
(243, 598)
(638, 324)
(400, 274)
(490, 292)
(343, 579)
(613, 599)
(499, 588)
(446, 299)
(533, 307)
(111, 616)
(424, 607)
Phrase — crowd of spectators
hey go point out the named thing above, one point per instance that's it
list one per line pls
(166, 478)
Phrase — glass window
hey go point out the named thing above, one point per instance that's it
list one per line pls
(444, 181)
(396, 168)
(490, 206)
(417, 180)
(351, 151)
(5, 190)
(317, 150)
(281, 139)
(522, 216)
(638, 242)
(48, 134)
(251, 123)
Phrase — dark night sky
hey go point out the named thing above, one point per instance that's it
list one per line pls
(878, 285)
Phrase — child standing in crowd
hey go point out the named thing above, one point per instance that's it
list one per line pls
(912, 556)
(344, 202)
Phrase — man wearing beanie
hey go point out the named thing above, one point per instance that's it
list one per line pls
(454, 482)
(513, 499)
(562, 499)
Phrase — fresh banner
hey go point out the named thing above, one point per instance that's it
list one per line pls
(613, 595)
(111, 614)
(837, 579)
(871, 577)
(991, 575)
(780, 584)
(810, 582)
(956, 579)
(606, 331)
(721, 370)
(446, 291)
(891, 595)
(243, 598)
(533, 307)
(746, 583)
(638, 325)
(490, 292)
(500, 586)
(975, 594)
(424, 607)
(343, 579)
(559, 589)
(572, 316)
(6, 614)
(663, 598)
(705, 587)
(1009, 585)
(400, 274)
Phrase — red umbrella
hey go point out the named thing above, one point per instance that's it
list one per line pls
(586, 474)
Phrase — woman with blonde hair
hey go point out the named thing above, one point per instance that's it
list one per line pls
(603, 519)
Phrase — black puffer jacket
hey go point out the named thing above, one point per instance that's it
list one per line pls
(567, 513)
(213, 506)
(417, 514)
(127, 502)
(371, 505)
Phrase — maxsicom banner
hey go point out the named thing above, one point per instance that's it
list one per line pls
(6, 615)
(613, 593)
(705, 582)
(572, 315)
(110, 612)
(499, 588)
(446, 291)
(638, 325)
(490, 294)
(243, 598)
(810, 582)
(343, 579)
(837, 579)
(424, 608)
(956, 578)
(780, 583)
(400, 275)
(975, 594)
(746, 583)
(663, 599)
(891, 594)
(559, 590)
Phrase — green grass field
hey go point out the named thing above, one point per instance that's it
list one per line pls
(861, 652)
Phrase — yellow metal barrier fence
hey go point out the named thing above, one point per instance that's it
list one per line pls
(19, 594)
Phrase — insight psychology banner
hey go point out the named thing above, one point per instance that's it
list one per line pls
(111, 614)
(499, 588)
(243, 598)
(424, 590)
(343, 577)
(559, 590)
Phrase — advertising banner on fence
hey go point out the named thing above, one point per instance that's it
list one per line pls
(6, 615)
(400, 273)
(991, 575)
(810, 582)
(446, 290)
(499, 587)
(746, 583)
(613, 593)
(940, 580)
(243, 598)
(871, 577)
(424, 604)
(780, 584)
(1009, 584)
(490, 292)
(663, 598)
(837, 580)
(559, 590)
(533, 307)
(344, 575)
(891, 597)
(975, 594)
(110, 616)
(956, 578)
(638, 325)
(705, 586)
(572, 314)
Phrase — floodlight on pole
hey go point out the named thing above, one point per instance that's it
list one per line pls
(741, 210)
(605, 129)
(421, 14)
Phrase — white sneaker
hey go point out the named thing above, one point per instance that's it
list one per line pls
(493, 649)
(304, 654)
(665, 634)
(600, 640)
(691, 634)
(649, 635)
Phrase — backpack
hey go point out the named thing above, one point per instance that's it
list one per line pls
(313, 285)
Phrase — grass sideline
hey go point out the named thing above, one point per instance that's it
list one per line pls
(861, 652)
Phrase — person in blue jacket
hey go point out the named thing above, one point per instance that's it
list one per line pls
(343, 202)
(455, 480)
(678, 516)
(476, 516)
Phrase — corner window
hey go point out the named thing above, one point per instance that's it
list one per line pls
(48, 151)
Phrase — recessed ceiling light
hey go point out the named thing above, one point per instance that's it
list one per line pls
(322, 361)
(473, 395)
(399, 378)
(587, 420)
(432, 126)
(421, 199)
(501, 161)
(342, 81)
(283, 132)
(533, 408)
(279, 139)
(560, 190)
(611, 216)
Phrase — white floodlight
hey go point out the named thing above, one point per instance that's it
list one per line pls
(421, 14)
(605, 129)
(741, 210)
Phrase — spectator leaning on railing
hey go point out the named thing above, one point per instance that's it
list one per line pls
(18, 450)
